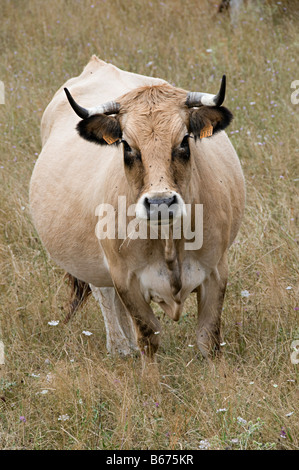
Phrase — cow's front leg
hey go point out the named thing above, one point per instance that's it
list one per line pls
(210, 296)
(147, 325)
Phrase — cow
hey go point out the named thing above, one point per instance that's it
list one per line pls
(154, 145)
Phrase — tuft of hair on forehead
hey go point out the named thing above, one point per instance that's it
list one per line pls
(152, 97)
(153, 113)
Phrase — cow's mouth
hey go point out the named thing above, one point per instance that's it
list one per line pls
(161, 214)
(161, 221)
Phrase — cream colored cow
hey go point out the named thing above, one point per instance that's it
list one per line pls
(153, 145)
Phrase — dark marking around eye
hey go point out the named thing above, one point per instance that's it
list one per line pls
(183, 151)
(127, 147)
(130, 155)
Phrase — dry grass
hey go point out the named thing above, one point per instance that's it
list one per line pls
(94, 401)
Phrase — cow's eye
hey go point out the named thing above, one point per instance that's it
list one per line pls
(130, 155)
(185, 142)
(127, 147)
(183, 151)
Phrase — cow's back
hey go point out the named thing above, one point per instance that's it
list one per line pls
(99, 82)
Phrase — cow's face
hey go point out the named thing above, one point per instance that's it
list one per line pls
(157, 157)
(157, 131)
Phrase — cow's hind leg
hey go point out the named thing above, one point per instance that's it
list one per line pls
(80, 291)
(210, 297)
(120, 331)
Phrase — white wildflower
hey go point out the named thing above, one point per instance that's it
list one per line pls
(53, 322)
(221, 410)
(245, 293)
(86, 333)
(43, 392)
(63, 418)
(241, 420)
(204, 444)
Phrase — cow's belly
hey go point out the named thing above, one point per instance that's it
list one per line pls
(155, 285)
(90, 267)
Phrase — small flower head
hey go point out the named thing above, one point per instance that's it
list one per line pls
(241, 420)
(63, 418)
(245, 293)
(204, 444)
(86, 333)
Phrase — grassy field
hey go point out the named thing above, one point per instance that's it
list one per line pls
(60, 389)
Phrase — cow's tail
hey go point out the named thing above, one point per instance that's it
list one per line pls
(80, 291)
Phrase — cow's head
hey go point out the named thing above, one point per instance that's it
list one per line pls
(158, 127)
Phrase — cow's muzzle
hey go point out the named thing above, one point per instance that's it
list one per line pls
(160, 208)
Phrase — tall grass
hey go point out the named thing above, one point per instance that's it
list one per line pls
(61, 390)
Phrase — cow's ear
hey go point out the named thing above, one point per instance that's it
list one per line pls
(100, 129)
(206, 120)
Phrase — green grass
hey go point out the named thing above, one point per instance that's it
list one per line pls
(94, 401)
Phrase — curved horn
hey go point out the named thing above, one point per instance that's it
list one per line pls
(205, 99)
(111, 107)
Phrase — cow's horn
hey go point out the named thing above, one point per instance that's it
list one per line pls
(199, 99)
(111, 107)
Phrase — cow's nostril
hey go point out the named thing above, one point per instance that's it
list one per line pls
(158, 201)
(146, 203)
(160, 208)
(172, 200)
